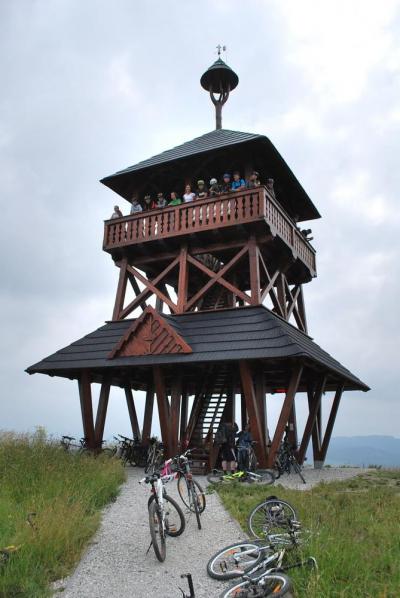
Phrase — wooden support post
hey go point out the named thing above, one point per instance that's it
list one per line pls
(121, 290)
(184, 418)
(101, 413)
(148, 415)
(281, 293)
(176, 394)
(285, 413)
(292, 427)
(183, 279)
(254, 266)
(302, 309)
(132, 412)
(163, 408)
(317, 435)
(314, 401)
(331, 422)
(85, 395)
(256, 424)
(260, 396)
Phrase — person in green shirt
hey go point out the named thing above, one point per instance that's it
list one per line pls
(175, 200)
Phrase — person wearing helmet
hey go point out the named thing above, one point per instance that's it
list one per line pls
(214, 189)
(201, 190)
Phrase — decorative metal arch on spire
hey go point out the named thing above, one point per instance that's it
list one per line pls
(219, 80)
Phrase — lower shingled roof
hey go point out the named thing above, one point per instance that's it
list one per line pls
(224, 335)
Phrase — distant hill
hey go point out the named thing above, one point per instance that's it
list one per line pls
(364, 450)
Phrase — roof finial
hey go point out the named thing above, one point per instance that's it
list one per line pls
(219, 80)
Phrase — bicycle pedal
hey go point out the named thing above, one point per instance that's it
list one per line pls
(172, 528)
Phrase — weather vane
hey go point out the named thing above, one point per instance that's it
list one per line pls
(220, 49)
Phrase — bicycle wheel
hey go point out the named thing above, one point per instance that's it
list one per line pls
(230, 562)
(272, 584)
(270, 517)
(265, 477)
(149, 461)
(174, 518)
(215, 477)
(183, 490)
(195, 503)
(157, 531)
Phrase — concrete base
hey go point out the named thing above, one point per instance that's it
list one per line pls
(318, 464)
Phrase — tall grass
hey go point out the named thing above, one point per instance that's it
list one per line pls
(355, 533)
(66, 492)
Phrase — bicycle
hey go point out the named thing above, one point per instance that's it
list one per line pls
(271, 515)
(155, 454)
(190, 491)
(165, 515)
(286, 461)
(217, 477)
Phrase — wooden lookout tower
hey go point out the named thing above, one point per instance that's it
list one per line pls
(216, 313)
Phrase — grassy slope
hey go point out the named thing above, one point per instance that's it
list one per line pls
(66, 492)
(356, 533)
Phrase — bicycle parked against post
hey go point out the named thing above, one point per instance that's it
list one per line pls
(286, 461)
(155, 455)
(165, 515)
(130, 450)
(264, 477)
(190, 491)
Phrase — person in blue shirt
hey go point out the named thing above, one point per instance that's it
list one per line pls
(238, 182)
(243, 445)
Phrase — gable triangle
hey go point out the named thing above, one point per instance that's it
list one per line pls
(150, 335)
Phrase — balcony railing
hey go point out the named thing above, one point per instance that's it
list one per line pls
(232, 209)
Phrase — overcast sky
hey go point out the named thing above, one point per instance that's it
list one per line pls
(88, 88)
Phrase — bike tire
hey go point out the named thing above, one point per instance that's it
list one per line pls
(183, 491)
(269, 516)
(215, 477)
(196, 505)
(157, 532)
(222, 565)
(266, 477)
(177, 520)
(271, 584)
(108, 452)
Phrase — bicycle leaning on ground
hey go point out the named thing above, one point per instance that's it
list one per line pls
(264, 477)
(165, 515)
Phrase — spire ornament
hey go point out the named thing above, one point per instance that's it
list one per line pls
(219, 80)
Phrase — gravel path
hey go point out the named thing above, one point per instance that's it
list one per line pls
(116, 563)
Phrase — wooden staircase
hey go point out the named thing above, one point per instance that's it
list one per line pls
(208, 411)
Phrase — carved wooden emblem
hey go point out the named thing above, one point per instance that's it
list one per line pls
(150, 335)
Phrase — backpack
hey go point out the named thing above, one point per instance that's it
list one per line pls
(220, 435)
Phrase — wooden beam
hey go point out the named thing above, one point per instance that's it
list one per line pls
(136, 289)
(183, 280)
(292, 423)
(163, 408)
(259, 384)
(281, 292)
(148, 415)
(285, 413)
(132, 412)
(176, 394)
(302, 309)
(256, 425)
(151, 288)
(254, 268)
(147, 292)
(243, 410)
(184, 418)
(331, 421)
(85, 395)
(101, 413)
(121, 290)
(217, 277)
(314, 401)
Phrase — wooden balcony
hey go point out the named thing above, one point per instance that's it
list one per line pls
(240, 208)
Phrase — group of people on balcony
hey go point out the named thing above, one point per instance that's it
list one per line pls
(229, 184)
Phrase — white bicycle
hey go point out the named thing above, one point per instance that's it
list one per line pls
(165, 515)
